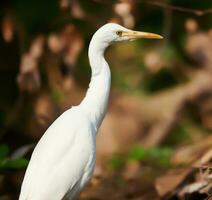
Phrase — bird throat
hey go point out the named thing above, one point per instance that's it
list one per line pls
(96, 99)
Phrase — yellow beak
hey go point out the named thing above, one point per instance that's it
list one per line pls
(137, 34)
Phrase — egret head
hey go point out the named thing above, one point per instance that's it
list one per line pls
(112, 32)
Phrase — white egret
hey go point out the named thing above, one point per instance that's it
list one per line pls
(63, 161)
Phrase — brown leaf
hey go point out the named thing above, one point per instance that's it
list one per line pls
(7, 29)
(123, 9)
(206, 158)
(153, 61)
(191, 153)
(199, 48)
(192, 188)
(44, 110)
(131, 170)
(191, 25)
(168, 182)
(55, 43)
(28, 78)
(36, 48)
(64, 4)
(76, 10)
(74, 44)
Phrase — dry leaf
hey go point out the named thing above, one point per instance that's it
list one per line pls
(191, 25)
(55, 43)
(124, 10)
(28, 78)
(168, 182)
(192, 188)
(76, 10)
(7, 29)
(36, 48)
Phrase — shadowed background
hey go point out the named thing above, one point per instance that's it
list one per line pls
(155, 139)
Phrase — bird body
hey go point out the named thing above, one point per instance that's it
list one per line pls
(63, 161)
(55, 155)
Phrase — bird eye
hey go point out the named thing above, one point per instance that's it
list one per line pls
(119, 33)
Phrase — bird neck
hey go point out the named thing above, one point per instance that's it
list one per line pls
(96, 100)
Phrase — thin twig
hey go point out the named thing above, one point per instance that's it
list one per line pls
(197, 12)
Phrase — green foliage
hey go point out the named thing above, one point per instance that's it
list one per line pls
(116, 162)
(119, 81)
(158, 154)
(7, 163)
(13, 164)
(57, 96)
(180, 133)
(137, 153)
(4, 151)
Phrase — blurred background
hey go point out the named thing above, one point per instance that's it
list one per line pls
(155, 141)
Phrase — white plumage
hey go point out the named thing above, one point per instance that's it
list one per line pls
(63, 161)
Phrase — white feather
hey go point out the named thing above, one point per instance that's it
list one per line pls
(63, 160)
